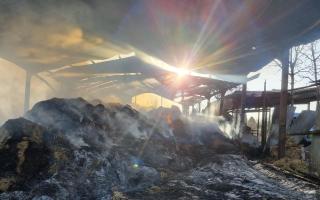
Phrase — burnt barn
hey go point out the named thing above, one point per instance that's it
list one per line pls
(151, 99)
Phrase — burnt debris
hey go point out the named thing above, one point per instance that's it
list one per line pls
(71, 149)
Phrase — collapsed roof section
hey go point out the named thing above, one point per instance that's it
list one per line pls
(259, 99)
(130, 76)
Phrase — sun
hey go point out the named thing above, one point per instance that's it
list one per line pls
(181, 71)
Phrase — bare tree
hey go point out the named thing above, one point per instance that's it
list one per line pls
(295, 66)
(312, 58)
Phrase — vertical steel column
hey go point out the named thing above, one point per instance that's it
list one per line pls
(184, 112)
(27, 92)
(264, 118)
(283, 104)
(243, 106)
(269, 121)
(223, 92)
(236, 118)
(208, 105)
(258, 124)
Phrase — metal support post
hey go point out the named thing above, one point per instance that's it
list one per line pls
(27, 92)
(283, 104)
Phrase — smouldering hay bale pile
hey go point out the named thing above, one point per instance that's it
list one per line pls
(70, 149)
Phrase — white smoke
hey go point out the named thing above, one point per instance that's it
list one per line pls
(12, 88)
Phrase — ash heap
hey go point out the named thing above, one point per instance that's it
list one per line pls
(71, 149)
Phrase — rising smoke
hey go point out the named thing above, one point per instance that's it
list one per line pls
(41, 35)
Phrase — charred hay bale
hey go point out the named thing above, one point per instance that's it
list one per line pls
(28, 153)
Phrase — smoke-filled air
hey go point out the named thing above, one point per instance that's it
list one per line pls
(154, 99)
